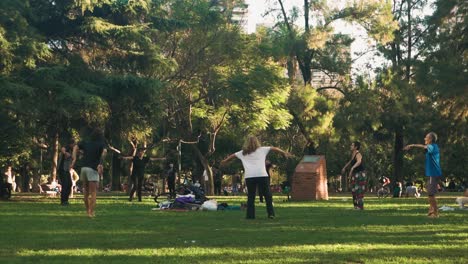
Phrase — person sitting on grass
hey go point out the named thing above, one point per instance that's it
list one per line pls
(462, 201)
(412, 191)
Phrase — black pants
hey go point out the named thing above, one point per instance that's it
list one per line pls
(171, 185)
(137, 184)
(260, 193)
(26, 183)
(65, 180)
(217, 189)
(262, 183)
(9, 188)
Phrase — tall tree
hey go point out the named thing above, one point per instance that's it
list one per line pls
(403, 52)
(314, 47)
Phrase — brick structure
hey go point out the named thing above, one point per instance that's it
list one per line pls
(309, 181)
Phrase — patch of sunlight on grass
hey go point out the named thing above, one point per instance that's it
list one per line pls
(201, 251)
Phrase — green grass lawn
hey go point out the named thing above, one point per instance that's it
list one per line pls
(38, 230)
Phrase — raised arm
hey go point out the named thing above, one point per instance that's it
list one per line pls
(153, 159)
(65, 153)
(284, 153)
(407, 147)
(113, 149)
(347, 164)
(101, 161)
(103, 156)
(74, 155)
(228, 159)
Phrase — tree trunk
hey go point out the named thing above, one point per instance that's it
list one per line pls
(306, 69)
(409, 44)
(398, 154)
(36, 180)
(115, 172)
(55, 149)
(291, 66)
(208, 169)
(116, 163)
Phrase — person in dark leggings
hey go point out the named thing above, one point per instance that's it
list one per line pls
(171, 179)
(253, 157)
(65, 160)
(268, 166)
(137, 178)
(218, 180)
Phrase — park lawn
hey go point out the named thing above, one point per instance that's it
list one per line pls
(38, 230)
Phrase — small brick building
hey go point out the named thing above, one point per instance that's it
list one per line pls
(309, 181)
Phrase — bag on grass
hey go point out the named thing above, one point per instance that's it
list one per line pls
(210, 205)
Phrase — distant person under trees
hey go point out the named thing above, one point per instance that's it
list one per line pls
(139, 165)
(171, 179)
(310, 148)
(8, 175)
(218, 179)
(432, 170)
(65, 160)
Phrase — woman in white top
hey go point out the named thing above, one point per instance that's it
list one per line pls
(253, 158)
(9, 179)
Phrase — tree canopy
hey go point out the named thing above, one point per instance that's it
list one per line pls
(183, 73)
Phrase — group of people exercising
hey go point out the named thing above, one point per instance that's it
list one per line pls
(253, 157)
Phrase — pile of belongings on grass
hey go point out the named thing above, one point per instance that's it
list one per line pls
(189, 203)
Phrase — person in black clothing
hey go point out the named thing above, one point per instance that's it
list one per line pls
(26, 172)
(218, 178)
(357, 176)
(310, 148)
(171, 178)
(268, 166)
(65, 160)
(94, 152)
(137, 178)
(451, 186)
(8, 182)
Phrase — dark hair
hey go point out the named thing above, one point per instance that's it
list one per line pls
(357, 145)
(97, 134)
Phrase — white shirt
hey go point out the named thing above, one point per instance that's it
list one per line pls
(9, 177)
(254, 163)
(205, 175)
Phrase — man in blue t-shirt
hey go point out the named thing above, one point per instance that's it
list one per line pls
(432, 168)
